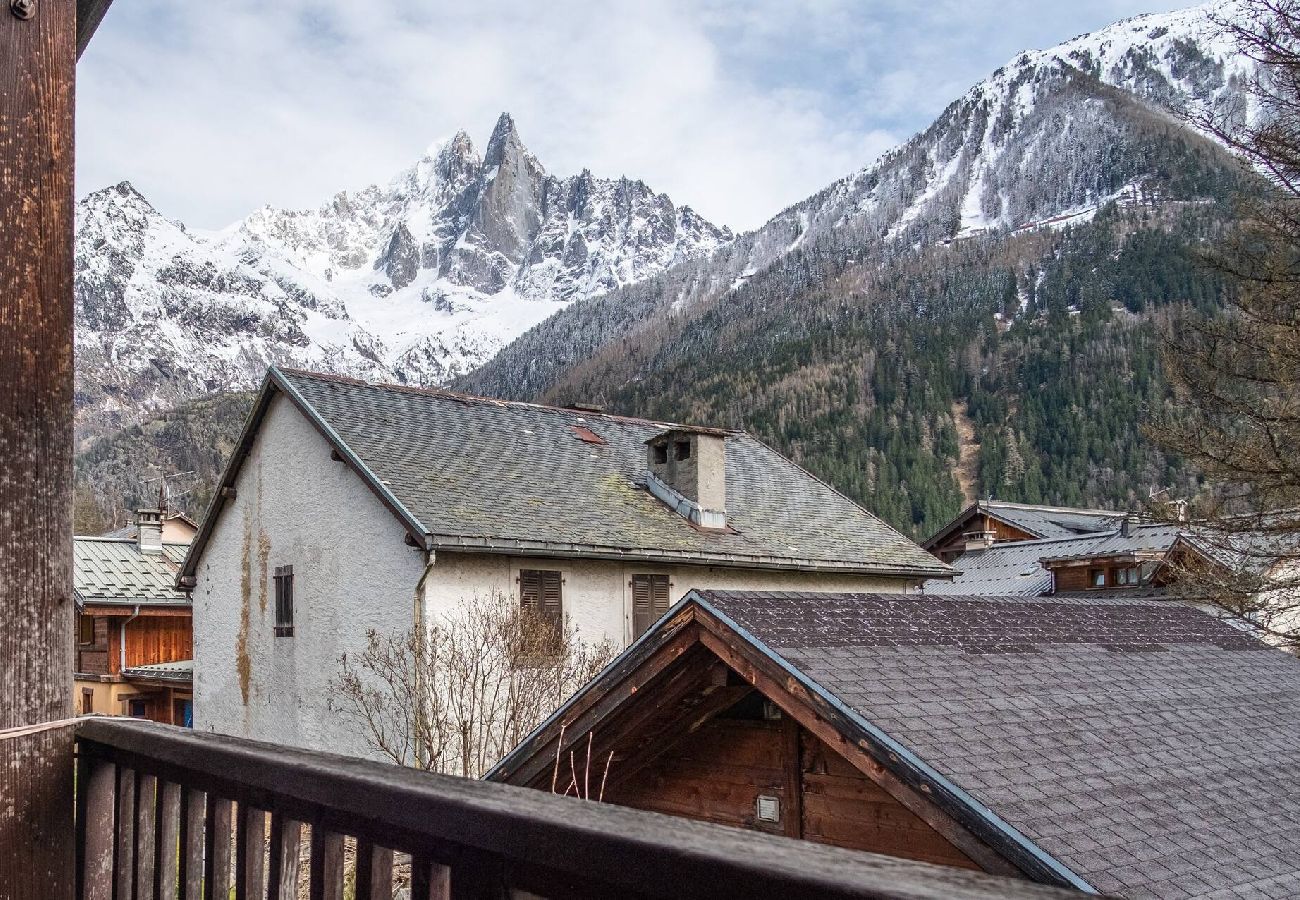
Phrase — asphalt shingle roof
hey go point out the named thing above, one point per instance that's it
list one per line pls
(113, 570)
(1013, 568)
(1145, 745)
(492, 474)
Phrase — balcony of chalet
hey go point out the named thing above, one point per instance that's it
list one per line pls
(141, 810)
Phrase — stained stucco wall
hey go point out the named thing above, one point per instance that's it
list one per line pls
(597, 594)
(352, 571)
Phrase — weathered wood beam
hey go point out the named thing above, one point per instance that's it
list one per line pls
(37, 62)
(89, 14)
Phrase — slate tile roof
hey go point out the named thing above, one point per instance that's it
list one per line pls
(1146, 746)
(1012, 567)
(113, 570)
(483, 473)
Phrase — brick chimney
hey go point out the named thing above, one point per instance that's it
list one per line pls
(687, 470)
(148, 530)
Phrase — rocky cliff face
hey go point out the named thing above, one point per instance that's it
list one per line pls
(417, 281)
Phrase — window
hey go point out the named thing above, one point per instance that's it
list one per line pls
(540, 598)
(137, 708)
(1097, 577)
(87, 701)
(284, 601)
(649, 601)
(86, 630)
(683, 449)
(1126, 576)
(661, 454)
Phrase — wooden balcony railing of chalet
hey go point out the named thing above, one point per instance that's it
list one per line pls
(164, 812)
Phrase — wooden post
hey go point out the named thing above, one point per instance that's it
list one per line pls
(37, 60)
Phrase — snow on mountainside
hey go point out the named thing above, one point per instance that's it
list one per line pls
(417, 281)
(1049, 137)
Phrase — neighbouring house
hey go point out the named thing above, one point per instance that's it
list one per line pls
(1129, 558)
(134, 640)
(1112, 744)
(177, 528)
(348, 506)
(989, 522)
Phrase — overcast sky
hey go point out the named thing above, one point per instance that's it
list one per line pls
(736, 107)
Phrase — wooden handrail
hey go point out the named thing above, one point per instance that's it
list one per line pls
(467, 838)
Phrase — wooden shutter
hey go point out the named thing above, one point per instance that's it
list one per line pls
(541, 597)
(649, 601)
(284, 601)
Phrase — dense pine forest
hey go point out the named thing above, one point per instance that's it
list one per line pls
(1035, 355)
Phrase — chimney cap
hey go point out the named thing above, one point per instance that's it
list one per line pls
(672, 430)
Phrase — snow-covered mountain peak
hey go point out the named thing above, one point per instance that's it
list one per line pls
(417, 280)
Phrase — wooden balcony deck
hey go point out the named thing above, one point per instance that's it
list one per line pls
(167, 812)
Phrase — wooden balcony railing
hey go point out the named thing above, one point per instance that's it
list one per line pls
(165, 812)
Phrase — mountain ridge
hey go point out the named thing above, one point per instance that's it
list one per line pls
(414, 281)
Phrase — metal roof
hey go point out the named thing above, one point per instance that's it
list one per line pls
(1040, 521)
(475, 474)
(179, 670)
(1014, 567)
(1142, 744)
(113, 570)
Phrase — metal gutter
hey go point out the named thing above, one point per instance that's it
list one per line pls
(1001, 828)
(521, 547)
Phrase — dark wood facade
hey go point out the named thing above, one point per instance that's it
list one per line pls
(719, 772)
(153, 636)
(696, 723)
(978, 522)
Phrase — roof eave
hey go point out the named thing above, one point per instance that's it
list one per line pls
(520, 547)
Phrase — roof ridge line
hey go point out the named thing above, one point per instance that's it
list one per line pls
(447, 394)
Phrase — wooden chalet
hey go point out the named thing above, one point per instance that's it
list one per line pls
(98, 808)
(988, 522)
(134, 632)
(1089, 744)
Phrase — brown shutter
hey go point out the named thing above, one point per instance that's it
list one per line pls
(649, 601)
(552, 602)
(530, 590)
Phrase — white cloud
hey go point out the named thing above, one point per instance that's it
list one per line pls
(736, 108)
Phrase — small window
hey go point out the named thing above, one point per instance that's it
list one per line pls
(137, 709)
(661, 454)
(683, 449)
(541, 599)
(649, 601)
(284, 601)
(86, 630)
(1097, 577)
(87, 701)
(1126, 576)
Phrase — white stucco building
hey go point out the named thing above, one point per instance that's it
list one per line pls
(349, 506)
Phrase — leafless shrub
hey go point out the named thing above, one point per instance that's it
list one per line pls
(458, 695)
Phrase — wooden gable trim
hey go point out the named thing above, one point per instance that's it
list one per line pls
(970, 826)
(143, 611)
(821, 720)
(967, 824)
